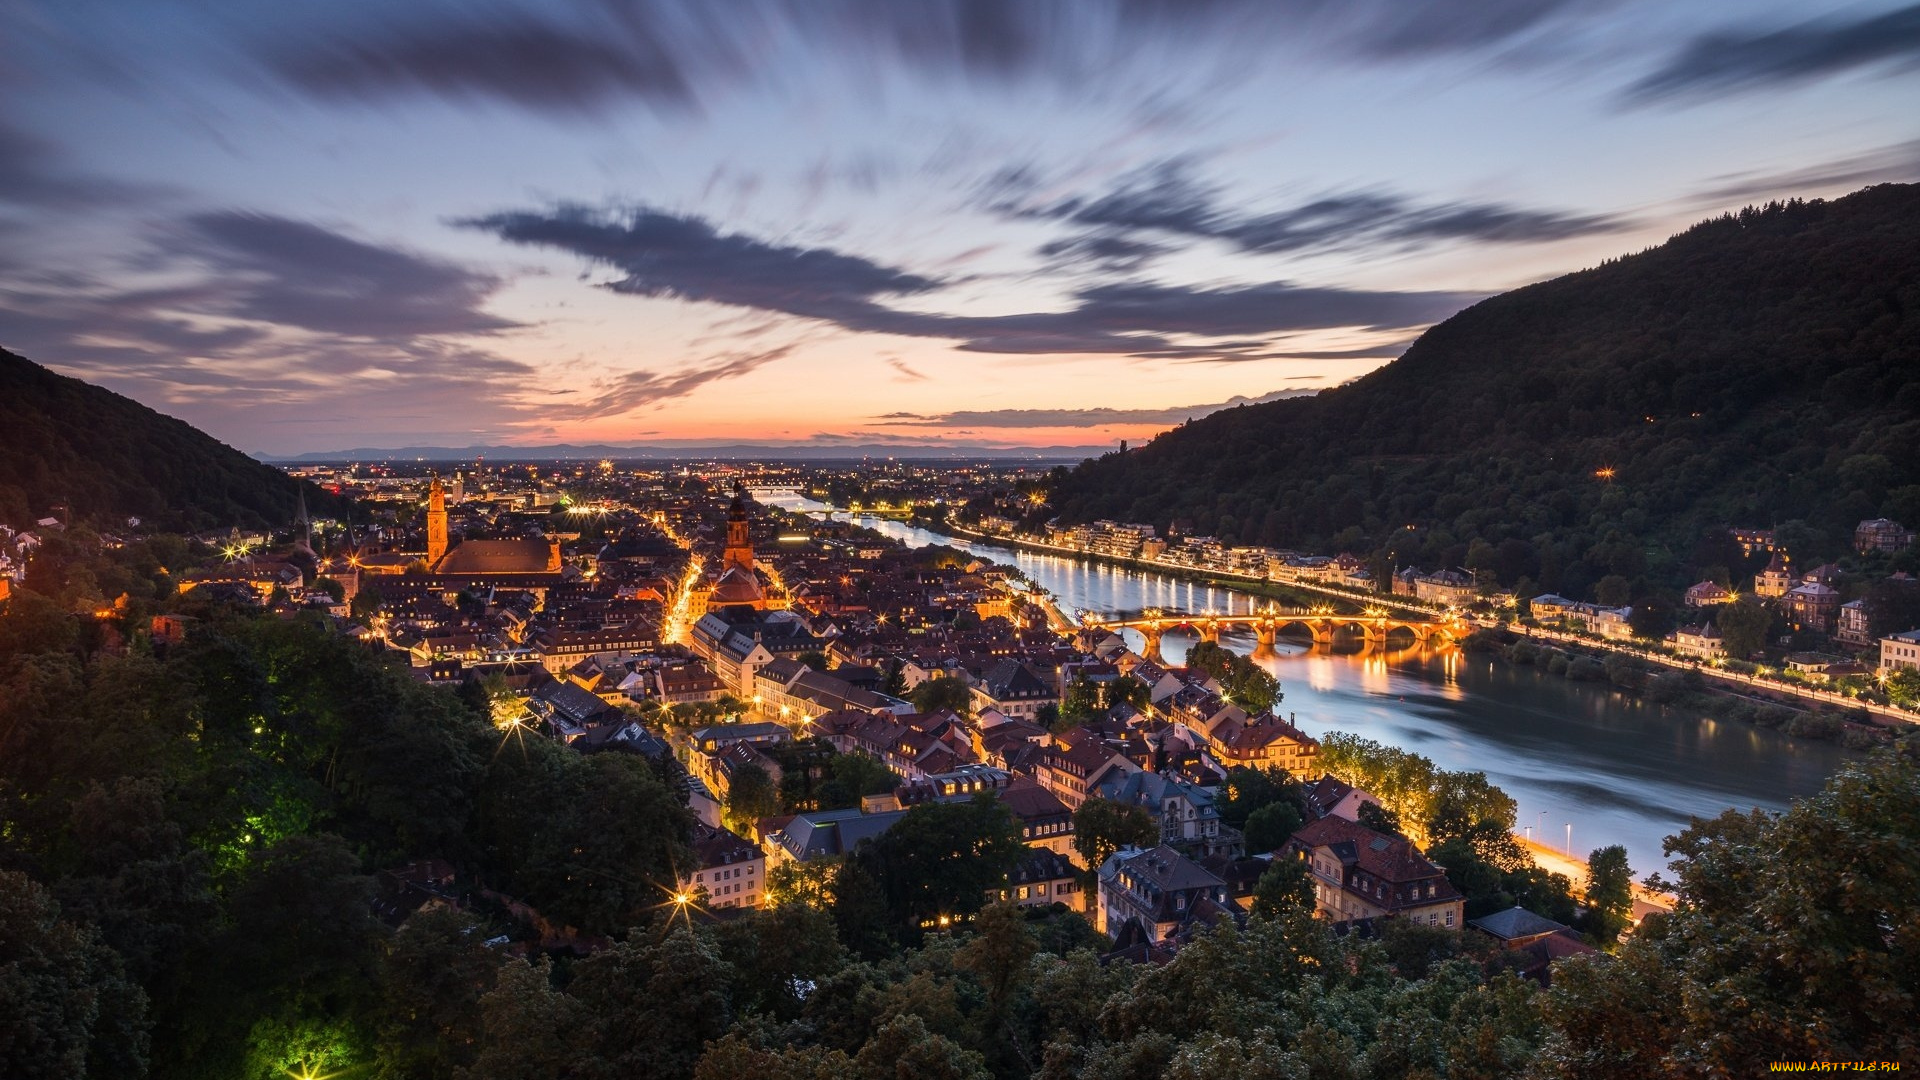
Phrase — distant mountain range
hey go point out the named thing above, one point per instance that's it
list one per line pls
(699, 450)
(69, 444)
(1759, 369)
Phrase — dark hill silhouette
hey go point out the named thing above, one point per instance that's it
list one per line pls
(1762, 368)
(68, 442)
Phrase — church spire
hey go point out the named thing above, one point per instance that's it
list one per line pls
(739, 551)
(436, 523)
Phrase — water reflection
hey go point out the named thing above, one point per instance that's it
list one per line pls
(1619, 769)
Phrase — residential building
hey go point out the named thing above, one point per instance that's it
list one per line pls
(826, 834)
(1361, 874)
(1186, 813)
(1013, 689)
(1899, 651)
(730, 869)
(1157, 891)
(1881, 534)
(1330, 797)
(1041, 879)
(1776, 579)
(1455, 588)
(1707, 594)
(1700, 642)
(1072, 764)
(1851, 628)
(1814, 606)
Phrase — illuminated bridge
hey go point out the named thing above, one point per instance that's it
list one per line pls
(1323, 624)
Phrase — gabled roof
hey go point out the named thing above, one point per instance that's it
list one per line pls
(1515, 922)
(1389, 859)
(1162, 867)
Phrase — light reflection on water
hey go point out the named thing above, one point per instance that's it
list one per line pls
(1619, 769)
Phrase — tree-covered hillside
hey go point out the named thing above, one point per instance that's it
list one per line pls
(1760, 369)
(64, 442)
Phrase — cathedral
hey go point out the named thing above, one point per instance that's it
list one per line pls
(736, 584)
(494, 562)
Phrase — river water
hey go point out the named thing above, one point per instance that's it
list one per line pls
(1617, 769)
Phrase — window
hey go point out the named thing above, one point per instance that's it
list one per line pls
(1449, 918)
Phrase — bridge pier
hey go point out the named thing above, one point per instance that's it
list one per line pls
(1209, 631)
(1153, 632)
(1322, 630)
(1374, 631)
(1264, 634)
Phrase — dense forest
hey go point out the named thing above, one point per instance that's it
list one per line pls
(1761, 369)
(192, 840)
(64, 442)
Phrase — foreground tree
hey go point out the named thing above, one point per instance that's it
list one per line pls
(1796, 937)
(1102, 827)
(67, 1008)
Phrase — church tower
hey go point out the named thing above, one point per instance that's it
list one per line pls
(436, 524)
(739, 552)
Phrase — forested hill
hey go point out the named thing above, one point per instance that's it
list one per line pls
(67, 442)
(1759, 369)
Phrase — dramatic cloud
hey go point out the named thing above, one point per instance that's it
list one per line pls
(671, 53)
(1731, 62)
(1165, 199)
(279, 322)
(663, 255)
(1077, 418)
(635, 389)
(276, 270)
(687, 258)
(517, 57)
(1105, 251)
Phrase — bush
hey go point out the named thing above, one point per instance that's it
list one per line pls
(1586, 669)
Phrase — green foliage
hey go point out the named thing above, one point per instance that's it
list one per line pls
(1245, 683)
(1102, 827)
(1796, 938)
(1757, 368)
(1432, 804)
(751, 795)
(1269, 827)
(67, 1008)
(1285, 889)
(852, 777)
(1743, 626)
(1903, 687)
(108, 458)
(1248, 790)
(1378, 818)
(948, 693)
(1609, 893)
(940, 859)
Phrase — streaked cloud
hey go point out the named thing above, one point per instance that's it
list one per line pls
(665, 255)
(1077, 418)
(1166, 199)
(1733, 61)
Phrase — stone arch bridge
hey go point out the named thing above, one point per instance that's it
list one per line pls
(1374, 626)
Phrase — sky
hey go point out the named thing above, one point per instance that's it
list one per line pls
(306, 226)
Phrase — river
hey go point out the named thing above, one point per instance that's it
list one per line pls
(1617, 769)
